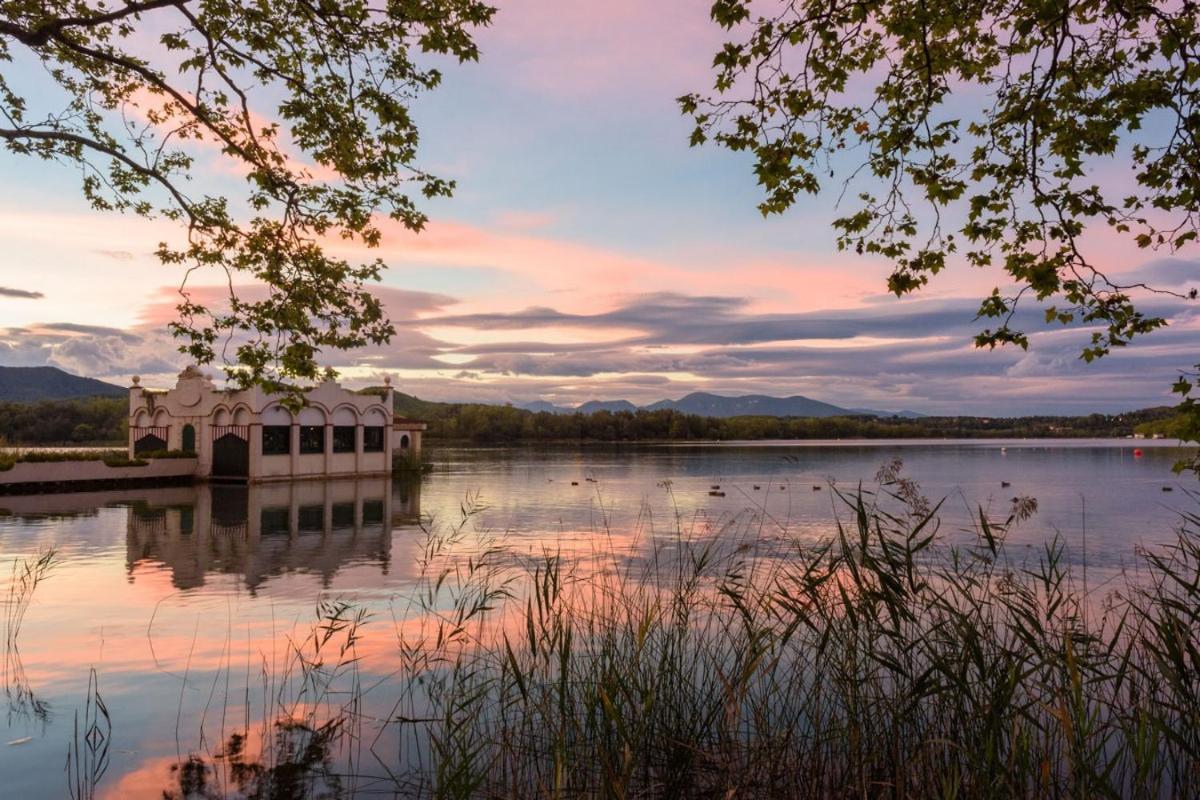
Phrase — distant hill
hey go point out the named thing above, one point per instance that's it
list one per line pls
(28, 384)
(412, 407)
(750, 405)
(538, 406)
(713, 405)
(592, 406)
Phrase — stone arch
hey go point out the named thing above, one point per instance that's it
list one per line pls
(221, 416)
(345, 415)
(404, 442)
(312, 415)
(242, 415)
(161, 418)
(141, 419)
(276, 415)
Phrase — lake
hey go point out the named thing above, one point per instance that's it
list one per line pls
(160, 653)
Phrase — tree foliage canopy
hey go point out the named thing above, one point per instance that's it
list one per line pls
(308, 99)
(994, 132)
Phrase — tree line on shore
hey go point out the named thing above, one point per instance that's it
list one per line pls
(90, 420)
(491, 424)
(102, 420)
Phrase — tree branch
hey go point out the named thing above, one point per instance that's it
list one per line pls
(14, 135)
(39, 36)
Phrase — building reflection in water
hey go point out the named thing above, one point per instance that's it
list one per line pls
(263, 530)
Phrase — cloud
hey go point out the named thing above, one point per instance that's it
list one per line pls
(400, 304)
(93, 330)
(1164, 273)
(25, 294)
(671, 318)
(911, 353)
(92, 351)
(115, 255)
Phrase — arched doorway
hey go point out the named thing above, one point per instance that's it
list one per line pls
(153, 441)
(231, 452)
(189, 439)
(404, 442)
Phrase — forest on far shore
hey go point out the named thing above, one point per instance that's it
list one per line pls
(102, 420)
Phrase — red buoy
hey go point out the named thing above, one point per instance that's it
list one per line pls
(1137, 452)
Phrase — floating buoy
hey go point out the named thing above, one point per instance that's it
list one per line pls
(1137, 452)
(816, 488)
(574, 483)
(1005, 484)
(757, 487)
(1168, 489)
(716, 494)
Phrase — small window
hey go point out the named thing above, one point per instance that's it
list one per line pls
(343, 438)
(310, 518)
(276, 440)
(312, 439)
(274, 521)
(343, 515)
(372, 512)
(404, 442)
(373, 439)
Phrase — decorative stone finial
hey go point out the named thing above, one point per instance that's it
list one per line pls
(137, 379)
(387, 380)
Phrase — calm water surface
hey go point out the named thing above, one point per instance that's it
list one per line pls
(189, 602)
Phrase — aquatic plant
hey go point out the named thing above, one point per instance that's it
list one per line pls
(887, 661)
(310, 710)
(87, 755)
(733, 657)
(27, 574)
(407, 464)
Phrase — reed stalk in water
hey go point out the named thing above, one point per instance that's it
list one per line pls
(26, 576)
(887, 661)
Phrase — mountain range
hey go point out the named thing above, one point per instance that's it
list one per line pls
(27, 384)
(713, 405)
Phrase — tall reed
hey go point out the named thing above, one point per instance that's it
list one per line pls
(300, 715)
(886, 661)
(26, 575)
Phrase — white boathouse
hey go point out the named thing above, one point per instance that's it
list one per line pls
(249, 435)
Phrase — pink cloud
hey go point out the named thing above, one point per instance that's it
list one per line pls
(586, 278)
(400, 304)
(576, 49)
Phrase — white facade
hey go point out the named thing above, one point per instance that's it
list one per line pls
(249, 435)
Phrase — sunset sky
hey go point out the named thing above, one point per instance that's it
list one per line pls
(589, 253)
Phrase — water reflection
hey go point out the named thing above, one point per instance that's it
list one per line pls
(302, 769)
(190, 601)
(261, 531)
